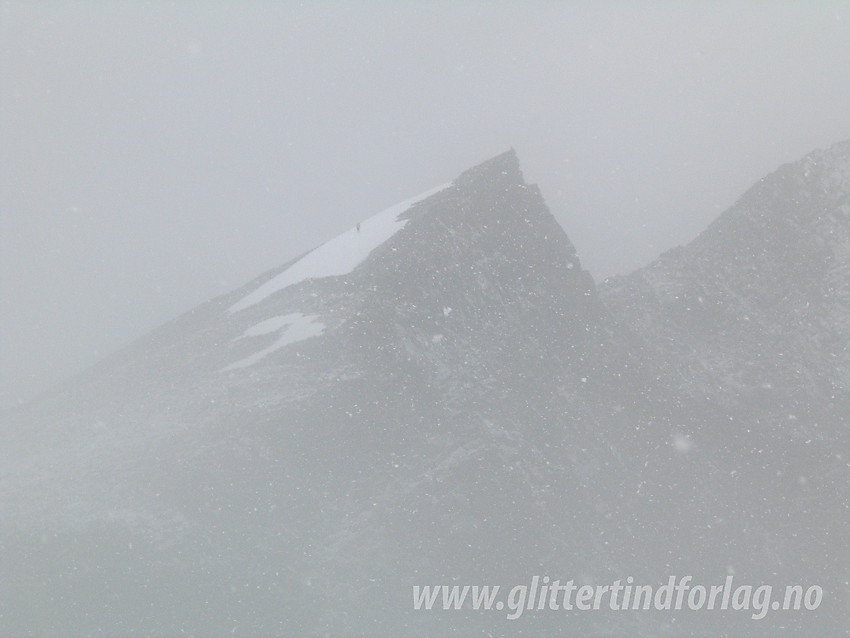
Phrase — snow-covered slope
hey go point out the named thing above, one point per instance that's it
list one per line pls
(442, 396)
(340, 255)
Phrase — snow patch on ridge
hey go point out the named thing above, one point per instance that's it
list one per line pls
(340, 255)
(294, 327)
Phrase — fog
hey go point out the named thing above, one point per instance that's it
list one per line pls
(157, 154)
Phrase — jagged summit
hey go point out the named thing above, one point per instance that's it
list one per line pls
(342, 254)
(503, 168)
(487, 213)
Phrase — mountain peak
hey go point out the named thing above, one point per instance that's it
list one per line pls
(503, 168)
(487, 213)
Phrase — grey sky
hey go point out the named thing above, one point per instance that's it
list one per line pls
(157, 154)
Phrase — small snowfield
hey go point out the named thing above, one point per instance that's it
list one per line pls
(340, 255)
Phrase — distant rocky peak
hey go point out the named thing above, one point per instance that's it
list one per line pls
(800, 191)
(780, 252)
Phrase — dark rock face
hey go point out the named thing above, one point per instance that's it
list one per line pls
(447, 398)
(746, 328)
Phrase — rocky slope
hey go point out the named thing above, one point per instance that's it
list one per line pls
(441, 395)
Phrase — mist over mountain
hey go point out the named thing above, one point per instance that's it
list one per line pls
(443, 395)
